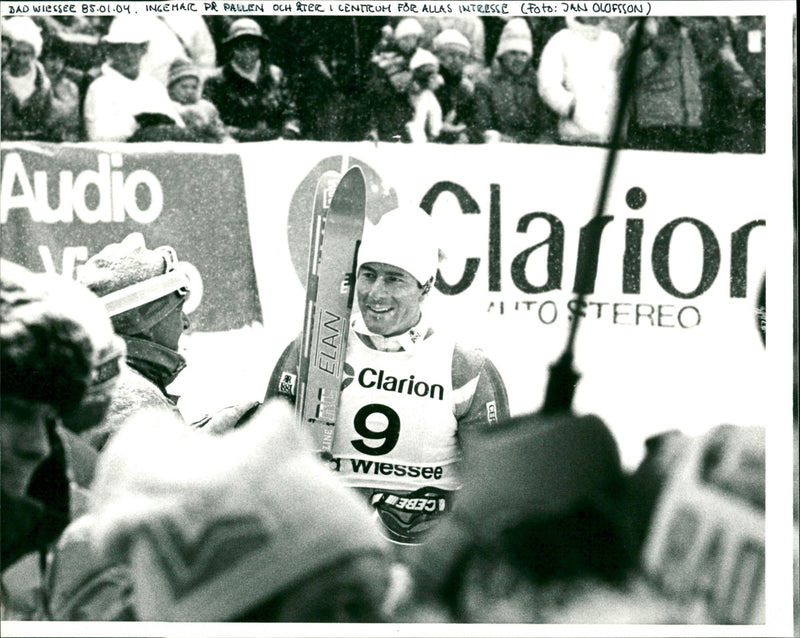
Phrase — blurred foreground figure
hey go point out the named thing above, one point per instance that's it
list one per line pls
(247, 526)
(539, 533)
(55, 342)
(699, 504)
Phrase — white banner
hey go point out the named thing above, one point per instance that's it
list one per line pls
(669, 336)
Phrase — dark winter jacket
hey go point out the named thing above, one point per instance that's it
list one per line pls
(668, 80)
(457, 98)
(512, 106)
(28, 121)
(387, 98)
(258, 111)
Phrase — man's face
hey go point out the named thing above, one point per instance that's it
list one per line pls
(168, 331)
(126, 58)
(389, 298)
(408, 43)
(515, 61)
(24, 441)
(246, 53)
(452, 59)
(21, 58)
(53, 65)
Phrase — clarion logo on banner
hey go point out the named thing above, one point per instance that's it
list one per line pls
(107, 194)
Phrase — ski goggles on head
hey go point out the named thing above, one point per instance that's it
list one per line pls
(174, 279)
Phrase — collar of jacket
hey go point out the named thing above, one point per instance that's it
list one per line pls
(252, 77)
(407, 341)
(157, 363)
(232, 76)
(40, 82)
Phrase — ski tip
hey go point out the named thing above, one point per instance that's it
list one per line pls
(352, 189)
(353, 178)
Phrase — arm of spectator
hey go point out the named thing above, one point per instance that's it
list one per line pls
(480, 394)
(434, 118)
(483, 116)
(103, 119)
(290, 129)
(449, 125)
(551, 79)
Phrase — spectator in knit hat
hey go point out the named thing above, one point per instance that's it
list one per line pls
(389, 84)
(65, 118)
(426, 125)
(200, 116)
(414, 439)
(26, 95)
(52, 336)
(245, 527)
(579, 79)
(667, 101)
(471, 27)
(507, 103)
(122, 101)
(179, 34)
(456, 95)
(539, 533)
(252, 96)
(144, 291)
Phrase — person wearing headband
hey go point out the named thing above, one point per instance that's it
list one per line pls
(143, 291)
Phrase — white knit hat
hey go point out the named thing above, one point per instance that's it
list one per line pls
(422, 57)
(408, 26)
(213, 527)
(404, 238)
(128, 30)
(516, 36)
(452, 39)
(24, 29)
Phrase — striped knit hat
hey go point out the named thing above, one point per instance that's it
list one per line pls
(216, 526)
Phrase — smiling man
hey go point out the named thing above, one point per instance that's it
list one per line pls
(409, 388)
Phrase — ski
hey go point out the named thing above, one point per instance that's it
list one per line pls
(336, 227)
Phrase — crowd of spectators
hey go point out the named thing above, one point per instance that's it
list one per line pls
(700, 83)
